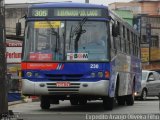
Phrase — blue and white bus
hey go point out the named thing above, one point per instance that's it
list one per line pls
(79, 52)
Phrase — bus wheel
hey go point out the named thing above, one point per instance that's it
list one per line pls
(45, 102)
(74, 101)
(129, 99)
(121, 100)
(108, 103)
(82, 101)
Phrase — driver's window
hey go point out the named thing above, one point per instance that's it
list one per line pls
(151, 76)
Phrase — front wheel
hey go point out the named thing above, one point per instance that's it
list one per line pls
(108, 103)
(74, 101)
(82, 101)
(45, 102)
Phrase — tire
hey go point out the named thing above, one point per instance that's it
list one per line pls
(130, 100)
(45, 103)
(82, 101)
(121, 100)
(143, 95)
(108, 103)
(74, 101)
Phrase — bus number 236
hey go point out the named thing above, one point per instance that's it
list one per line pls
(94, 66)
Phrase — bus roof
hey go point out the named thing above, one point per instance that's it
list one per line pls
(66, 4)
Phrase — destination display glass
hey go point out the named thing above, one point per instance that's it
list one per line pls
(67, 12)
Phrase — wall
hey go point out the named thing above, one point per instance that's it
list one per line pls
(13, 13)
(150, 8)
(127, 15)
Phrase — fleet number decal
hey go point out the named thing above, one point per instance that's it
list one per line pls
(94, 66)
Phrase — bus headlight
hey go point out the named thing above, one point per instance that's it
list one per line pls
(100, 74)
(29, 74)
(93, 75)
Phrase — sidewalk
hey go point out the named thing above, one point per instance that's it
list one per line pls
(32, 99)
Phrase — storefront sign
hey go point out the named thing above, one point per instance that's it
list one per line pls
(145, 55)
(13, 51)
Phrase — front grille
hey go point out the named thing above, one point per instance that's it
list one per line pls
(64, 77)
(53, 89)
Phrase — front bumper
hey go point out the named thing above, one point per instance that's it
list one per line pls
(99, 88)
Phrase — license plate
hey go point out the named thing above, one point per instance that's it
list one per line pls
(63, 84)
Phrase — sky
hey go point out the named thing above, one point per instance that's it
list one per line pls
(104, 2)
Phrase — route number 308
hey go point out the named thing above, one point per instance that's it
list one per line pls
(94, 66)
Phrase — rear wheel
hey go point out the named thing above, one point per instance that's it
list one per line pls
(108, 103)
(121, 100)
(130, 99)
(45, 102)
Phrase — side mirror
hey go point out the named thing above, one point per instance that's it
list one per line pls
(18, 29)
(115, 30)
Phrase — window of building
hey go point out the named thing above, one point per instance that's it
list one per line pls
(154, 41)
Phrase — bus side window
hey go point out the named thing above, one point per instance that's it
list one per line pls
(128, 41)
(131, 45)
(124, 39)
(112, 42)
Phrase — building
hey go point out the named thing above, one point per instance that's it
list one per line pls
(147, 22)
(127, 15)
(150, 7)
(13, 14)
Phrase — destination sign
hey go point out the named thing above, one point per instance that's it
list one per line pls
(66, 12)
(40, 12)
(77, 12)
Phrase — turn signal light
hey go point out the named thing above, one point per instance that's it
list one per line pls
(107, 74)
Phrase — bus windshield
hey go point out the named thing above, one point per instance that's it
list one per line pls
(66, 41)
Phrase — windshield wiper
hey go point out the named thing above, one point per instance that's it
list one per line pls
(70, 37)
(53, 32)
(78, 31)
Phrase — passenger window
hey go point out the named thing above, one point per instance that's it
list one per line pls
(156, 75)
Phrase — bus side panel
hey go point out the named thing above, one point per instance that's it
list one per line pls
(122, 69)
(113, 77)
(137, 70)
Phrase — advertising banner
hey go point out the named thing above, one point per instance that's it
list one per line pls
(145, 55)
(155, 54)
(13, 51)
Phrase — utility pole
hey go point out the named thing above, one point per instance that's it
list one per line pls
(3, 80)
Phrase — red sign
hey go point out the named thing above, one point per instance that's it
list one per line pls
(13, 51)
(41, 66)
(40, 56)
(14, 44)
(63, 84)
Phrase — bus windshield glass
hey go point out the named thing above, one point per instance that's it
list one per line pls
(66, 41)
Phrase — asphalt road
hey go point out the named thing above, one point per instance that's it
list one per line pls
(142, 110)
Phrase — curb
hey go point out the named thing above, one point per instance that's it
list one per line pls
(15, 102)
(31, 99)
